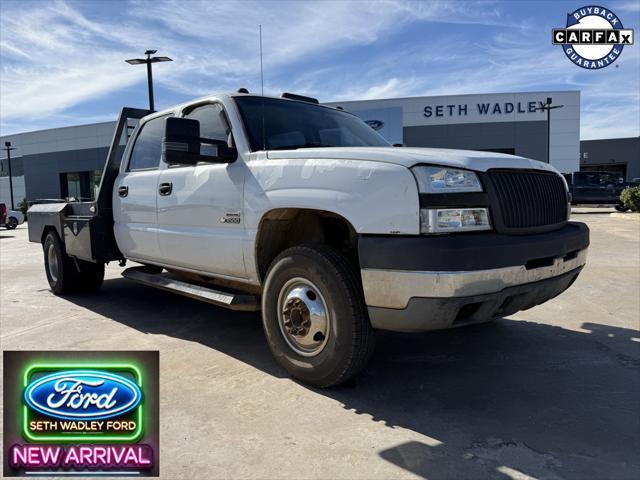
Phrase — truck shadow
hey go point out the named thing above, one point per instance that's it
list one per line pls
(487, 401)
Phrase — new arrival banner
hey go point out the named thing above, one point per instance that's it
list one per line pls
(81, 413)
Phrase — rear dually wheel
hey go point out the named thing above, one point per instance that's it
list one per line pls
(66, 275)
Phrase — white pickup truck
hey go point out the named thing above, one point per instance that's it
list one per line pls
(305, 212)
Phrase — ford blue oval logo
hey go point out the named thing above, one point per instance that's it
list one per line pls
(82, 395)
(375, 124)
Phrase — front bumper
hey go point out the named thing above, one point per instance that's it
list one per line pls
(461, 279)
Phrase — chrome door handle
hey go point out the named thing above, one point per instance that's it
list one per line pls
(165, 188)
(123, 191)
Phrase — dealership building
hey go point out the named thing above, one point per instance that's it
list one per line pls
(67, 162)
(617, 155)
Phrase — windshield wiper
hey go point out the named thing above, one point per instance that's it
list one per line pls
(304, 145)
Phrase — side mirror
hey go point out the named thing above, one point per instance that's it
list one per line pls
(182, 144)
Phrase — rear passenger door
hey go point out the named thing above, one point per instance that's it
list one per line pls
(200, 214)
(135, 195)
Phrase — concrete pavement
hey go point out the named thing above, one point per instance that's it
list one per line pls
(553, 392)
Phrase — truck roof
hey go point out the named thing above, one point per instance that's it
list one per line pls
(228, 96)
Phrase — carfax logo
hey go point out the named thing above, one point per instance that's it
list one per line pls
(89, 415)
(593, 37)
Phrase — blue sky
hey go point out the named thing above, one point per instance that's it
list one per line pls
(62, 62)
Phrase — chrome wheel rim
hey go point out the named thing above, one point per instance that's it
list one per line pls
(303, 317)
(52, 263)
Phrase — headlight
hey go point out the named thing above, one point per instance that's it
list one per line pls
(445, 180)
(443, 220)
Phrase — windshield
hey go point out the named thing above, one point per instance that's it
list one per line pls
(292, 124)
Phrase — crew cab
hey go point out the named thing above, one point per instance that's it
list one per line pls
(306, 213)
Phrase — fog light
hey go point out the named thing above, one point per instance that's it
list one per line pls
(445, 220)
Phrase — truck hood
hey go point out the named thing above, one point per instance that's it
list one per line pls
(408, 157)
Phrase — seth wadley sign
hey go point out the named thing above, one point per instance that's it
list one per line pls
(485, 108)
(479, 108)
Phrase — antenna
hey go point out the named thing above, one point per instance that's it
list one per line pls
(264, 139)
(261, 71)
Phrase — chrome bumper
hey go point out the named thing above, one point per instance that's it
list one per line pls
(394, 288)
(419, 301)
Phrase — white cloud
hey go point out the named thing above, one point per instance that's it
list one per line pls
(52, 59)
(627, 7)
(56, 57)
(520, 60)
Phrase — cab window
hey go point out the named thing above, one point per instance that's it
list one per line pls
(147, 150)
(213, 123)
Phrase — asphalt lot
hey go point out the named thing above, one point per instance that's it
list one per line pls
(553, 392)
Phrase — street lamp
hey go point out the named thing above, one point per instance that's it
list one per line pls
(148, 61)
(548, 107)
(8, 148)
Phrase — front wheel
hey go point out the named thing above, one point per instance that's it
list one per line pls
(314, 316)
(621, 208)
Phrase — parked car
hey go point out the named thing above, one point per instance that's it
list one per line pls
(10, 218)
(305, 212)
(597, 188)
(14, 218)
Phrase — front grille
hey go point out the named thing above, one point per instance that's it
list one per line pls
(529, 199)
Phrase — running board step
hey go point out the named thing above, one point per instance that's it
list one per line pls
(164, 281)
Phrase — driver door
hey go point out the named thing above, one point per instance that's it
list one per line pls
(200, 222)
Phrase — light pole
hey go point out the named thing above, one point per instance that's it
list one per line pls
(548, 107)
(148, 61)
(8, 148)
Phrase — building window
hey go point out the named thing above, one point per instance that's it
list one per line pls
(97, 176)
(82, 186)
(73, 185)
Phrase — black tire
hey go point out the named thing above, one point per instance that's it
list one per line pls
(621, 208)
(91, 276)
(12, 223)
(349, 340)
(63, 274)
